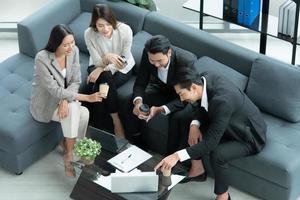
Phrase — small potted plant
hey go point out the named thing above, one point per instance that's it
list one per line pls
(87, 149)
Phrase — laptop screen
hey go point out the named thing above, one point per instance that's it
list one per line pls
(139, 182)
(108, 141)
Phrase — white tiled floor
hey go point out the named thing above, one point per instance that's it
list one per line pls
(8, 45)
(44, 180)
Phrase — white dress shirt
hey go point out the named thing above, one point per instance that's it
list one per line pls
(162, 73)
(182, 154)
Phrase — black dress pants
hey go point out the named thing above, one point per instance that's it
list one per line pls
(179, 122)
(227, 150)
(219, 158)
(156, 95)
(111, 101)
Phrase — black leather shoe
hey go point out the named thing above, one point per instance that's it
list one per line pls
(200, 178)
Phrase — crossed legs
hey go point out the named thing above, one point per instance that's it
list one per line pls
(73, 126)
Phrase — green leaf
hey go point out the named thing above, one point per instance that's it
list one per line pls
(87, 147)
(148, 4)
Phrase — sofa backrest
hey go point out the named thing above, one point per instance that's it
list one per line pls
(274, 87)
(87, 5)
(125, 12)
(200, 42)
(34, 31)
(79, 25)
(207, 64)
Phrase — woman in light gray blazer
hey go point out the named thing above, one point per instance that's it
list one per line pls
(55, 90)
(109, 44)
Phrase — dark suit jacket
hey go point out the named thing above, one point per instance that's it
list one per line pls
(231, 114)
(179, 58)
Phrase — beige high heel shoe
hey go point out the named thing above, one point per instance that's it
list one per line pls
(69, 169)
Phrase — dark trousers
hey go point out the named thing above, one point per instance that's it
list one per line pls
(219, 158)
(179, 122)
(227, 150)
(111, 102)
(156, 95)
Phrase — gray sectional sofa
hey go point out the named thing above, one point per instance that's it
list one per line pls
(272, 85)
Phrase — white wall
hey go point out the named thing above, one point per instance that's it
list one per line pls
(16, 10)
(174, 9)
(274, 6)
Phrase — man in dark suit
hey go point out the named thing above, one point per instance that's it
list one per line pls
(230, 126)
(154, 85)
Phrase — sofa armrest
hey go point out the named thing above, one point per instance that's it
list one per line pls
(34, 31)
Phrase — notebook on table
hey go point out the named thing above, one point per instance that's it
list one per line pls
(129, 159)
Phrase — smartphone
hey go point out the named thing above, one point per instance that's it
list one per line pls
(124, 59)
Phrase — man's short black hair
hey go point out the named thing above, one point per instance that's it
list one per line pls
(158, 44)
(186, 76)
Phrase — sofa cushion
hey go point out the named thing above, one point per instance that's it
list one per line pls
(125, 90)
(18, 130)
(84, 62)
(271, 86)
(137, 47)
(78, 26)
(279, 161)
(205, 64)
(124, 97)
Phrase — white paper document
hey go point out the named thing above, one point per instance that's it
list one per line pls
(175, 179)
(129, 159)
(104, 181)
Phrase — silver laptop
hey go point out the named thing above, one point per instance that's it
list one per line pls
(108, 141)
(134, 182)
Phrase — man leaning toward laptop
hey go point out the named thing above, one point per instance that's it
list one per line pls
(230, 126)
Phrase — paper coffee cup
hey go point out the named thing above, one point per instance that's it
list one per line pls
(166, 172)
(144, 108)
(103, 89)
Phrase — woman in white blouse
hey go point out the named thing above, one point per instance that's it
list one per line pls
(109, 44)
(55, 90)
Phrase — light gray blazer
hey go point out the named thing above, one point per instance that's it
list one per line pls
(120, 44)
(48, 86)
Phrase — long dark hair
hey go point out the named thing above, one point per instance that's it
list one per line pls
(58, 33)
(103, 11)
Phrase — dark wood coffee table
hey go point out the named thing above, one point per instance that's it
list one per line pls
(87, 189)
